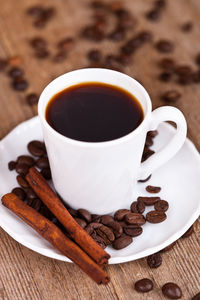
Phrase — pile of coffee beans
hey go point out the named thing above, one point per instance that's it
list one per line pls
(41, 15)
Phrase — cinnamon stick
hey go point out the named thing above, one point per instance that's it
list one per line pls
(82, 238)
(55, 236)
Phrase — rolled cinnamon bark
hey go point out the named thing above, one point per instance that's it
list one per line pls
(55, 236)
(82, 238)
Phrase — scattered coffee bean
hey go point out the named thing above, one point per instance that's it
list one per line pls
(35, 10)
(31, 194)
(137, 207)
(168, 248)
(22, 181)
(46, 173)
(96, 218)
(38, 43)
(106, 219)
(133, 230)
(187, 27)
(171, 96)
(36, 148)
(122, 242)
(135, 218)
(148, 201)
(188, 232)
(93, 33)
(32, 98)
(42, 162)
(19, 84)
(92, 227)
(144, 180)
(161, 205)
(165, 76)
(26, 159)
(19, 192)
(155, 216)
(154, 260)
(153, 189)
(152, 133)
(106, 234)
(73, 212)
(149, 141)
(153, 15)
(160, 3)
(196, 297)
(171, 290)
(116, 228)
(123, 59)
(120, 214)
(164, 46)
(143, 285)
(15, 72)
(94, 55)
(85, 214)
(81, 222)
(167, 64)
(22, 169)
(12, 165)
(36, 204)
(99, 240)
(66, 44)
(117, 35)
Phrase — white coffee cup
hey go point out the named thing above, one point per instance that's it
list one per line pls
(101, 177)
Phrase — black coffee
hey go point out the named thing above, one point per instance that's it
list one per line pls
(94, 112)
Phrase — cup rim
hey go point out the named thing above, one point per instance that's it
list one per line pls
(114, 142)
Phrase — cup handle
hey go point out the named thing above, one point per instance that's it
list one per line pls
(165, 113)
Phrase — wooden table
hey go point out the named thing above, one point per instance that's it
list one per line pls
(25, 274)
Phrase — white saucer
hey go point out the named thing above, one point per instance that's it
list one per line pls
(179, 179)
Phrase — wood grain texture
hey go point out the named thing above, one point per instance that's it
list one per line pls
(25, 274)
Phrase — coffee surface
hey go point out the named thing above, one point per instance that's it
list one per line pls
(94, 112)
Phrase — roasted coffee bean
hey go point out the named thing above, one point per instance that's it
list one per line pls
(187, 27)
(165, 76)
(123, 59)
(32, 98)
(148, 142)
(42, 162)
(22, 181)
(105, 219)
(96, 218)
(38, 43)
(36, 204)
(35, 10)
(144, 180)
(73, 212)
(106, 234)
(188, 232)
(93, 33)
(46, 173)
(168, 248)
(154, 260)
(122, 242)
(148, 201)
(160, 3)
(161, 205)
(122, 223)
(41, 53)
(26, 159)
(3, 64)
(116, 228)
(92, 227)
(85, 214)
(152, 133)
(36, 148)
(12, 165)
(147, 154)
(15, 72)
(19, 192)
(22, 169)
(171, 96)
(143, 285)
(49, 12)
(167, 64)
(145, 36)
(31, 194)
(120, 214)
(19, 84)
(164, 46)
(153, 15)
(39, 23)
(171, 290)
(135, 218)
(66, 43)
(196, 297)
(197, 59)
(155, 216)
(133, 230)
(94, 55)
(99, 240)
(117, 35)
(60, 56)
(15, 60)
(81, 222)
(153, 189)
(137, 207)
(47, 213)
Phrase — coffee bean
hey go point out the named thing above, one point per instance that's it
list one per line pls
(148, 201)
(153, 189)
(145, 36)
(32, 98)
(116, 228)
(154, 260)
(155, 216)
(99, 240)
(160, 3)
(165, 76)
(117, 35)
(47, 213)
(12, 165)
(96, 218)
(183, 70)
(144, 180)
(73, 212)
(93, 33)
(171, 290)
(171, 96)
(85, 214)
(42, 162)
(144, 285)
(137, 207)
(92, 227)
(19, 192)
(122, 223)
(196, 297)
(36, 148)
(133, 230)
(81, 222)
(149, 141)
(161, 205)
(188, 232)
(3, 64)
(66, 44)
(19, 84)
(147, 153)
(164, 46)
(41, 53)
(106, 234)
(22, 169)
(122, 242)
(187, 27)
(38, 43)
(48, 13)
(153, 15)
(120, 214)
(96, 4)
(105, 219)
(35, 10)
(46, 173)
(40, 22)
(94, 55)
(36, 204)
(135, 218)
(167, 64)
(123, 59)
(60, 56)
(168, 248)
(22, 181)
(26, 159)
(15, 60)
(31, 194)
(152, 133)
(15, 72)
